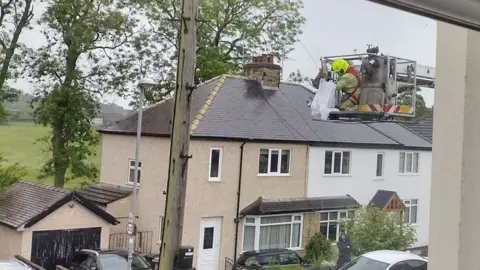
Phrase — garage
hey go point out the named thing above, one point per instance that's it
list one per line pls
(47, 225)
(57, 247)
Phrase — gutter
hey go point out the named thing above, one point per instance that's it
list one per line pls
(239, 189)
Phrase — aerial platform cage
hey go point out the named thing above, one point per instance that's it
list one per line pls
(384, 79)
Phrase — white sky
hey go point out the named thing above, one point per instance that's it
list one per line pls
(336, 27)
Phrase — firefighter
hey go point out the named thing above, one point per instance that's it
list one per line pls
(348, 83)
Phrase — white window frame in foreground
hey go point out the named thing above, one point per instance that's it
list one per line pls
(160, 226)
(218, 177)
(408, 162)
(131, 171)
(380, 165)
(333, 218)
(272, 171)
(254, 225)
(332, 170)
(411, 206)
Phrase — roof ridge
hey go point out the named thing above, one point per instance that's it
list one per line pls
(206, 104)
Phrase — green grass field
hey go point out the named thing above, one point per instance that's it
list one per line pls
(19, 143)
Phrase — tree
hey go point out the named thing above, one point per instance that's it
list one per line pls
(405, 98)
(229, 33)
(374, 229)
(9, 174)
(86, 56)
(297, 77)
(15, 16)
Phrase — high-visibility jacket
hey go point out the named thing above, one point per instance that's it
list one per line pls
(349, 83)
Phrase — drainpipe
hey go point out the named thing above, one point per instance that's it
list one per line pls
(239, 189)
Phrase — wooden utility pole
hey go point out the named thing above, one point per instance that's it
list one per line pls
(180, 136)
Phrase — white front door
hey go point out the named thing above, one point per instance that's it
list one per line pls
(209, 247)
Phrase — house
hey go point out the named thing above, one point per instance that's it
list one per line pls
(248, 177)
(41, 222)
(396, 160)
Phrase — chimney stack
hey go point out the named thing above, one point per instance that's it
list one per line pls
(264, 69)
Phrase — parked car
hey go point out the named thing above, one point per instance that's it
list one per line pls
(270, 258)
(107, 260)
(387, 260)
(13, 264)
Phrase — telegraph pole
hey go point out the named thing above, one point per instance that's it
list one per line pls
(180, 137)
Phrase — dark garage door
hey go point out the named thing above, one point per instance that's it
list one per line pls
(50, 248)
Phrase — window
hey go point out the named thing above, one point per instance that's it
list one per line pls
(131, 171)
(274, 162)
(329, 223)
(215, 166)
(269, 232)
(379, 171)
(208, 237)
(408, 163)
(160, 229)
(337, 162)
(411, 211)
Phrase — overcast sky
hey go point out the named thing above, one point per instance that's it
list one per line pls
(336, 27)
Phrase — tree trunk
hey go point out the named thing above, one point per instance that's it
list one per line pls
(60, 161)
(60, 155)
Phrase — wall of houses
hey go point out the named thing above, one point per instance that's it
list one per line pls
(361, 180)
(206, 197)
(72, 215)
(11, 242)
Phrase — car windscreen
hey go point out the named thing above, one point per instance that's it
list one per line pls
(364, 263)
(115, 261)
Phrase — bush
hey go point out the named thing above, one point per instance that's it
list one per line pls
(374, 229)
(319, 249)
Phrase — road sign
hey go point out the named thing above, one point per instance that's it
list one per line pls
(131, 228)
(465, 13)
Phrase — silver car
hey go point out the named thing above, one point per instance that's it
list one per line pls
(13, 264)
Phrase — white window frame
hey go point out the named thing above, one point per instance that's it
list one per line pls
(257, 224)
(220, 163)
(383, 165)
(408, 204)
(160, 225)
(280, 150)
(130, 167)
(338, 220)
(413, 154)
(332, 173)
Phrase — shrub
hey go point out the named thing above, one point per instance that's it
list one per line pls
(374, 229)
(319, 249)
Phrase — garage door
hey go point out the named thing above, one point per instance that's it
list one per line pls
(50, 248)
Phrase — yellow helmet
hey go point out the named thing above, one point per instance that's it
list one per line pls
(340, 66)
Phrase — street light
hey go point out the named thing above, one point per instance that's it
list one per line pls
(143, 84)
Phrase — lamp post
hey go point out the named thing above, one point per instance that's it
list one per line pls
(143, 85)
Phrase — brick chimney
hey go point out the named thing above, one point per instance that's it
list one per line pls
(263, 68)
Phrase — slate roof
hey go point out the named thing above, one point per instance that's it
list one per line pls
(25, 203)
(423, 126)
(382, 197)
(230, 107)
(103, 193)
(263, 206)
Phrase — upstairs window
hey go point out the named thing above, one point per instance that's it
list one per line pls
(337, 162)
(274, 162)
(379, 170)
(215, 164)
(131, 171)
(408, 163)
